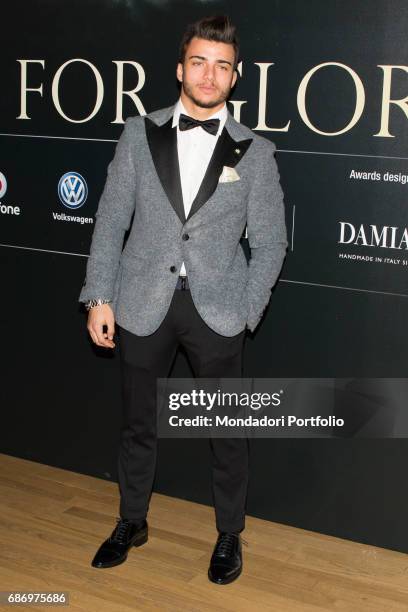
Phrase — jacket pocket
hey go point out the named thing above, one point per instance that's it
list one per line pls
(133, 262)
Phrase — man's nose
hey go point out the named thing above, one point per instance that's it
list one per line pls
(209, 72)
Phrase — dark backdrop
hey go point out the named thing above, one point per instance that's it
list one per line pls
(339, 308)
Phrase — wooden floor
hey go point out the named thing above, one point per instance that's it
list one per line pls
(53, 520)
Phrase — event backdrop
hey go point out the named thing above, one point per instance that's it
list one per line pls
(327, 82)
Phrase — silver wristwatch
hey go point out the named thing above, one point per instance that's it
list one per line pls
(92, 303)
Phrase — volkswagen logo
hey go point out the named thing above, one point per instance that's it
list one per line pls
(72, 190)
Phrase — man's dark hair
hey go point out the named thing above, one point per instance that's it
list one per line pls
(217, 28)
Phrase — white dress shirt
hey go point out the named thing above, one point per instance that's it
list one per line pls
(195, 148)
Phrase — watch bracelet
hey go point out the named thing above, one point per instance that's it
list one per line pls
(96, 302)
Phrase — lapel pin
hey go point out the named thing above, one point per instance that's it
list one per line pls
(237, 150)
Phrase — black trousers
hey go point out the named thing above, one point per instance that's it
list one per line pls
(142, 360)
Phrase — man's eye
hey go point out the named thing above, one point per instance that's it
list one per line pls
(196, 63)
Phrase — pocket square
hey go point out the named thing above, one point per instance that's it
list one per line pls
(228, 175)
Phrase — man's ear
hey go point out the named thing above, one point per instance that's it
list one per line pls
(179, 72)
(234, 78)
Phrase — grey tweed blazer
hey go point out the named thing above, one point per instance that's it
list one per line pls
(143, 182)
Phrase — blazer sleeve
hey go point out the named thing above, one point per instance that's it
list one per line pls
(267, 236)
(113, 217)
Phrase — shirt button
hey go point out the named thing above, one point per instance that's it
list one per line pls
(185, 236)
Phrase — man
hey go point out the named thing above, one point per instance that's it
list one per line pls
(193, 177)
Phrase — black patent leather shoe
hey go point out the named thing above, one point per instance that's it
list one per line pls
(114, 550)
(226, 560)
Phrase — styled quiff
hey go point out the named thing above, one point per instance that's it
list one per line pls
(217, 28)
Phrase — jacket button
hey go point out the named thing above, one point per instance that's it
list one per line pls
(185, 236)
(173, 268)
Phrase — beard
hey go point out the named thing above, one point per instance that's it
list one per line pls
(188, 90)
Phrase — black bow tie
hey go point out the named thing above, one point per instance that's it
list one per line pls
(209, 125)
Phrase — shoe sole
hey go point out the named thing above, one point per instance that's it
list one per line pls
(139, 542)
(227, 580)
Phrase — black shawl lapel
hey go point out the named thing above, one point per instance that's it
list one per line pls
(227, 152)
(162, 140)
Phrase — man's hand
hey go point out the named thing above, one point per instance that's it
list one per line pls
(98, 317)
